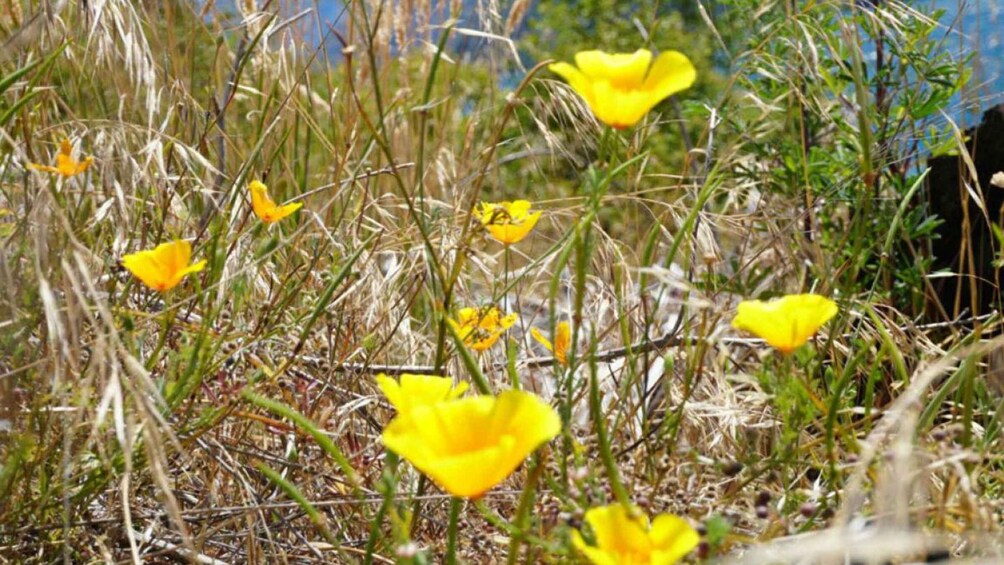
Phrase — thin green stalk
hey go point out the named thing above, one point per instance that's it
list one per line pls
(316, 518)
(301, 421)
(451, 533)
(596, 410)
(416, 505)
(167, 322)
(523, 510)
(470, 363)
(388, 484)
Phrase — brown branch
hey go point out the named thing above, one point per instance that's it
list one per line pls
(667, 340)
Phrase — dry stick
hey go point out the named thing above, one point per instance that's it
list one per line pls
(643, 346)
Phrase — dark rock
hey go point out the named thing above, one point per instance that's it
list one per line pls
(975, 285)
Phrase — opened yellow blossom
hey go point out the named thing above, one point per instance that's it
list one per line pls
(66, 165)
(785, 323)
(562, 341)
(418, 390)
(163, 268)
(508, 222)
(620, 88)
(625, 540)
(469, 445)
(480, 328)
(266, 208)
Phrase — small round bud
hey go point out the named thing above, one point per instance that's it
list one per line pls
(407, 551)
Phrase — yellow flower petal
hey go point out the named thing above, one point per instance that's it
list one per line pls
(507, 222)
(265, 208)
(673, 537)
(595, 555)
(671, 72)
(469, 445)
(578, 81)
(623, 70)
(480, 328)
(541, 339)
(43, 168)
(620, 88)
(513, 233)
(562, 341)
(615, 530)
(785, 323)
(418, 390)
(625, 539)
(164, 267)
(66, 165)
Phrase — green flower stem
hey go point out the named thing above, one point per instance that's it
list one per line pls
(166, 323)
(487, 159)
(470, 363)
(451, 533)
(389, 485)
(523, 510)
(584, 244)
(596, 410)
(511, 344)
(801, 374)
(416, 505)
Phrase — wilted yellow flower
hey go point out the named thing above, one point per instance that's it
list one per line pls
(266, 208)
(469, 445)
(480, 328)
(562, 341)
(621, 88)
(66, 165)
(163, 268)
(785, 323)
(508, 222)
(625, 540)
(418, 390)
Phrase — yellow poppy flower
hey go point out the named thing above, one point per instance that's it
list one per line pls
(266, 208)
(508, 222)
(480, 328)
(562, 341)
(163, 268)
(625, 540)
(620, 88)
(66, 165)
(469, 445)
(418, 390)
(785, 323)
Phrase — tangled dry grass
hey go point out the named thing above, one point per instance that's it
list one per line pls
(189, 426)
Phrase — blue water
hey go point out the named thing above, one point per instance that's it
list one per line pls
(966, 27)
(975, 27)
